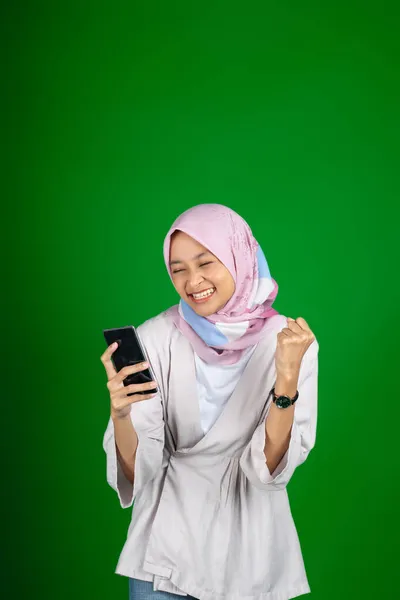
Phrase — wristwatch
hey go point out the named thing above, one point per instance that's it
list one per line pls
(283, 401)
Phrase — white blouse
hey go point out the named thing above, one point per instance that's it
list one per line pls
(215, 385)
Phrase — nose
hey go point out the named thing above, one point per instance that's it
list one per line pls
(195, 278)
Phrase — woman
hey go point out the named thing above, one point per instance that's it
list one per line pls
(208, 457)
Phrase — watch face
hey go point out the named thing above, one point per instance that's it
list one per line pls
(283, 402)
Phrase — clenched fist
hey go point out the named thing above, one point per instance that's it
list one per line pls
(293, 342)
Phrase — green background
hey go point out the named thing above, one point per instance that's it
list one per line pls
(117, 117)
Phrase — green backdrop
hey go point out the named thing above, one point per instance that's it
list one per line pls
(117, 117)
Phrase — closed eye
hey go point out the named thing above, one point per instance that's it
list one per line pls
(210, 262)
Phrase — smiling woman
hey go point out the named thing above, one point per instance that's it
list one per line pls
(207, 460)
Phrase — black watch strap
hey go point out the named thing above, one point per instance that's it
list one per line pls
(282, 401)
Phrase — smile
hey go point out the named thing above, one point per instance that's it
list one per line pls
(203, 296)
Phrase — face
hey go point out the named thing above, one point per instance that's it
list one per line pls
(198, 276)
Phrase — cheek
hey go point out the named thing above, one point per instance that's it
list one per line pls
(175, 282)
(180, 286)
(224, 281)
(180, 289)
(230, 287)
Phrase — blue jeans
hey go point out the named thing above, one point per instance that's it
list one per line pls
(143, 590)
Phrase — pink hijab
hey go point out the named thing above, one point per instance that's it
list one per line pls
(222, 337)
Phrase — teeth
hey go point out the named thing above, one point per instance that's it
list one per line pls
(204, 294)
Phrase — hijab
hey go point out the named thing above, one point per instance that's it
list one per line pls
(222, 337)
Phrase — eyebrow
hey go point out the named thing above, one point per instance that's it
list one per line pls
(176, 262)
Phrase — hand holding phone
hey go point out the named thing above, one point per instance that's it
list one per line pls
(129, 379)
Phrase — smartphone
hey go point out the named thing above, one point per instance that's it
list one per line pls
(130, 351)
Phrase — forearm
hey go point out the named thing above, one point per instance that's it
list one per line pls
(279, 423)
(126, 441)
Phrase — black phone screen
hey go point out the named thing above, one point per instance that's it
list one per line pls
(129, 352)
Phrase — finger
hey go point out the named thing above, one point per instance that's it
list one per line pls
(128, 370)
(303, 323)
(306, 328)
(127, 400)
(107, 362)
(287, 332)
(140, 387)
(283, 339)
(293, 325)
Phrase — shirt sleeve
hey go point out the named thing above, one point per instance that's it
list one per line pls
(302, 435)
(147, 419)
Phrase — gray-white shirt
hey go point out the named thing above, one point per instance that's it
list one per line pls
(209, 519)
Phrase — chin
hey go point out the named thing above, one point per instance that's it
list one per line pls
(205, 311)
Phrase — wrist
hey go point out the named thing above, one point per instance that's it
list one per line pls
(286, 383)
(120, 418)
